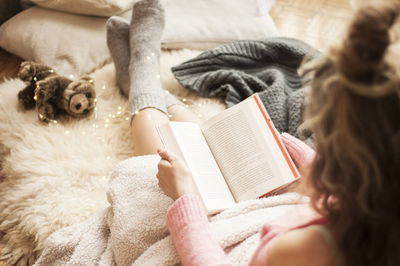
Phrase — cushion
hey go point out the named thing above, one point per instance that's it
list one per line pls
(72, 44)
(76, 44)
(208, 23)
(87, 7)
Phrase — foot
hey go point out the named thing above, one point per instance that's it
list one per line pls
(145, 32)
(146, 28)
(118, 44)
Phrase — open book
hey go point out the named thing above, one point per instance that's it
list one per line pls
(234, 156)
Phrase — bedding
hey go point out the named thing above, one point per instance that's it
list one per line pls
(115, 7)
(132, 231)
(56, 175)
(76, 44)
(87, 7)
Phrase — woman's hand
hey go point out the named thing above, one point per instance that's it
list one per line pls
(174, 178)
(301, 153)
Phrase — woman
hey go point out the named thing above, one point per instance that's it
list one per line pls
(353, 110)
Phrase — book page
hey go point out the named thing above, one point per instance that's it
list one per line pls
(246, 151)
(208, 178)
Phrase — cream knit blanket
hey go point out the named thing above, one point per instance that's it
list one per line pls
(132, 230)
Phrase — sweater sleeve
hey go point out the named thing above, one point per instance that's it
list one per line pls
(191, 234)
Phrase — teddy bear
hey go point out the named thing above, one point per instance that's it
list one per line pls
(53, 94)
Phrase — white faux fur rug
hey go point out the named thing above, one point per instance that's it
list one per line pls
(56, 175)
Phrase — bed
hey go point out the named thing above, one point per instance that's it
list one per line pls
(58, 175)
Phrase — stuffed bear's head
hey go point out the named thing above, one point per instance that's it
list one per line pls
(79, 98)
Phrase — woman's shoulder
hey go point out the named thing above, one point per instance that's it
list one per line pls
(306, 246)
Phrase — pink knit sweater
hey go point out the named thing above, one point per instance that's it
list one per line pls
(189, 228)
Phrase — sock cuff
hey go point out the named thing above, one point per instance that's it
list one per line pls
(148, 100)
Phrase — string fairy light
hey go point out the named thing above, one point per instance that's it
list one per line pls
(102, 120)
(121, 113)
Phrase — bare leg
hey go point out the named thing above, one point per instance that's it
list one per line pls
(144, 133)
(181, 113)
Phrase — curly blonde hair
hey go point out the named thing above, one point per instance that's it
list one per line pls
(353, 110)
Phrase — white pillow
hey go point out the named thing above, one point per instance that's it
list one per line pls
(76, 44)
(72, 44)
(87, 7)
(204, 24)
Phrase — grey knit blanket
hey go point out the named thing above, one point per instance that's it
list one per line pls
(235, 71)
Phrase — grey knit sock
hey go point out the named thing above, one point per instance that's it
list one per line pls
(118, 44)
(145, 32)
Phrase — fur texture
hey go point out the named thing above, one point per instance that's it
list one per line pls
(57, 175)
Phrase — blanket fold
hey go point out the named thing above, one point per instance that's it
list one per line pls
(133, 229)
(236, 70)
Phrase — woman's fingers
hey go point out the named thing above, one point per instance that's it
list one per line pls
(166, 155)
